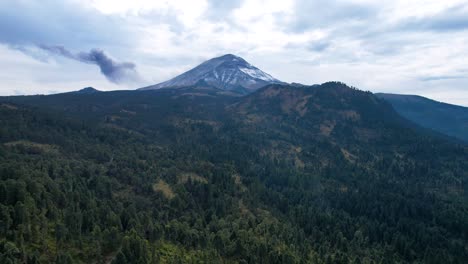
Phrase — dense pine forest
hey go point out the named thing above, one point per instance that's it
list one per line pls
(319, 174)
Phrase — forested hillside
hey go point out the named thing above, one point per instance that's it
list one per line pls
(322, 174)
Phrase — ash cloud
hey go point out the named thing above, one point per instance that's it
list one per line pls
(116, 72)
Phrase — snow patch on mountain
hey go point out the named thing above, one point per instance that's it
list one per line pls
(258, 74)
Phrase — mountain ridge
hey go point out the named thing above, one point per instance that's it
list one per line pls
(448, 119)
(87, 90)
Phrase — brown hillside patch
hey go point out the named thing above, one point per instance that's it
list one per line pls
(297, 149)
(343, 188)
(294, 152)
(294, 102)
(196, 94)
(238, 182)
(298, 163)
(253, 118)
(128, 112)
(185, 177)
(270, 92)
(301, 106)
(365, 134)
(113, 118)
(243, 208)
(33, 147)
(348, 156)
(327, 127)
(181, 122)
(120, 128)
(350, 114)
(164, 188)
(9, 106)
(237, 179)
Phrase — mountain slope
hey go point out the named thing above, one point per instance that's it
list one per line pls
(87, 90)
(445, 118)
(286, 174)
(228, 72)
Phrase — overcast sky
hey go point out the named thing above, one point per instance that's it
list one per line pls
(411, 47)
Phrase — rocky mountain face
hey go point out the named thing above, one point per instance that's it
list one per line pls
(228, 72)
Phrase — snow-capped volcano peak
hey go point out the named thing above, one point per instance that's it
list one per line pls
(228, 72)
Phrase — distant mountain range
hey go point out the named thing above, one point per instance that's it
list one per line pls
(451, 120)
(233, 74)
(228, 72)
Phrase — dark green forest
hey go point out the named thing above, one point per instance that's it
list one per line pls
(322, 174)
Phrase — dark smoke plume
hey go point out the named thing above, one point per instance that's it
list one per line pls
(116, 72)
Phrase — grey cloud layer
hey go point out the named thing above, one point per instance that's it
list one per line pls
(220, 9)
(441, 77)
(451, 19)
(47, 21)
(324, 14)
(367, 25)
